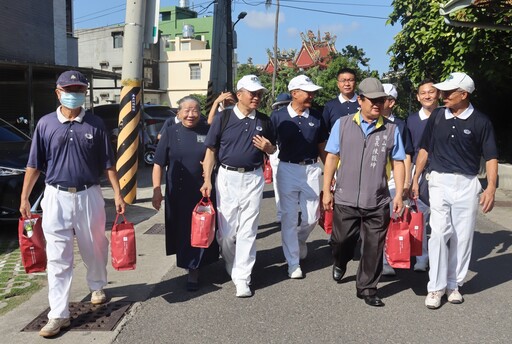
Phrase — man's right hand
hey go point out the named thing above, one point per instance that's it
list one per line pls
(327, 200)
(25, 209)
(206, 189)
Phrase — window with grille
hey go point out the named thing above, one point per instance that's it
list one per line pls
(195, 71)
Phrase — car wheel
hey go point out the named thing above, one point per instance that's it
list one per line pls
(149, 157)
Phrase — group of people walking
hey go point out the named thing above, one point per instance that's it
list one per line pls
(372, 162)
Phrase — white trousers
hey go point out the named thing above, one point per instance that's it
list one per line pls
(274, 163)
(453, 211)
(238, 207)
(297, 184)
(81, 214)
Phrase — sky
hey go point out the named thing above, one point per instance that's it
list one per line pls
(359, 23)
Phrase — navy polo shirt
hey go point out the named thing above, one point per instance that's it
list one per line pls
(404, 132)
(456, 144)
(71, 153)
(298, 136)
(335, 109)
(234, 144)
(416, 126)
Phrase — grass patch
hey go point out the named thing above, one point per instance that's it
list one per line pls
(16, 286)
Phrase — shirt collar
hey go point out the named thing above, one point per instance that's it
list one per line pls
(240, 115)
(343, 100)
(422, 114)
(391, 117)
(293, 114)
(358, 118)
(464, 115)
(64, 119)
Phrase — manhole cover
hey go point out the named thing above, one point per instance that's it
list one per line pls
(87, 317)
(158, 228)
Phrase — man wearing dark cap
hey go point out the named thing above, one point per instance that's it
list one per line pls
(73, 149)
(454, 142)
(363, 143)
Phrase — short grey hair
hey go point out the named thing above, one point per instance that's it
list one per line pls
(189, 99)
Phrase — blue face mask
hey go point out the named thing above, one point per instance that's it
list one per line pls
(72, 100)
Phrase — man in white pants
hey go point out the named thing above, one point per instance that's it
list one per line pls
(301, 135)
(241, 139)
(454, 141)
(73, 149)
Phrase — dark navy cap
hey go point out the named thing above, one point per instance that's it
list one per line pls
(72, 78)
(282, 99)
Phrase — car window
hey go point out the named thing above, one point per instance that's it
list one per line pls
(7, 134)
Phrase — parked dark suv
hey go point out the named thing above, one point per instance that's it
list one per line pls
(152, 120)
(14, 151)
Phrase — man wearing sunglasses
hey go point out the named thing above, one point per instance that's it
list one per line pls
(363, 144)
(454, 142)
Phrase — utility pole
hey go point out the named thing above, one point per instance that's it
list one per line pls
(129, 107)
(221, 74)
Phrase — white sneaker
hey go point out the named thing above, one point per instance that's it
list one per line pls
(98, 297)
(433, 300)
(53, 327)
(243, 290)
(387, 270)
(295, 272)
(454, 296)
(303, 250)
(421, 266)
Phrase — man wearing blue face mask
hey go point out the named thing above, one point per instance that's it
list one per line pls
(73, 149)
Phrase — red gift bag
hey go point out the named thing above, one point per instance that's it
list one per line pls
(416, 229)
(326, 217)
(267, 170)
(397, 247)
(122, 245)
(202, 230)
(32, 244)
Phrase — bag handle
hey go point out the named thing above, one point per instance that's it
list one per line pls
(208, 201)
(117, 217)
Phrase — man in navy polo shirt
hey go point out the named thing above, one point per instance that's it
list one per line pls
(363, 143)
(454, 142)
(240, 139)
(301, 135)
(428, 97)
(73, 149)
(346, 102)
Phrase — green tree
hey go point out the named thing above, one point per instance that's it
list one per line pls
(428, 47)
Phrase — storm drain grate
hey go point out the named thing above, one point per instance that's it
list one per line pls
(158, 228)
(87, 317)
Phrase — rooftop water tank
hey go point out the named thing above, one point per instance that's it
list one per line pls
(188, 31)
(183, 3)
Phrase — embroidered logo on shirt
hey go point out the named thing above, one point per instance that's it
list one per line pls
(467, 131)
(311, 124)
(201, 138)
(88, 136)
(258, 128)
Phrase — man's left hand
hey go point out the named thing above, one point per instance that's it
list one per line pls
(120, 204)
(487, 200)
(263, 144)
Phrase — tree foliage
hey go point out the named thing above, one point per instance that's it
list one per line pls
(428, 47)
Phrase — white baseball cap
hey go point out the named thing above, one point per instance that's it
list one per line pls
(390, 90)
(250, 83)
(302, 82)
(457, 80)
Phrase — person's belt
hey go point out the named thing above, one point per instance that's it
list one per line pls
(239, 169)
(303, 162)
(74, 189)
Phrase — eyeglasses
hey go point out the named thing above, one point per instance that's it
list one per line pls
(380, 100)
(255, 94)
(350, 81)
(447, 94)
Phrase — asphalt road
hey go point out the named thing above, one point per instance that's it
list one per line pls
(316, 309)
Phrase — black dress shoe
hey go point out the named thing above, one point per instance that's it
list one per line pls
(338, 273)
(372, 300)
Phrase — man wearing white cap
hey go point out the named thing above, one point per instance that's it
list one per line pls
(240, 139)
(363, 143)
(387, 112)
(454, 141)
(301, 134)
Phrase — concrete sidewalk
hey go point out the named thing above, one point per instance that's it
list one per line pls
(153, 266)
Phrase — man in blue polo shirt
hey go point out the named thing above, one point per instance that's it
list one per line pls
(240, 139)
(363, 143)
(73, 149)
(301, 135)
(346, 102)
(454, 142)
